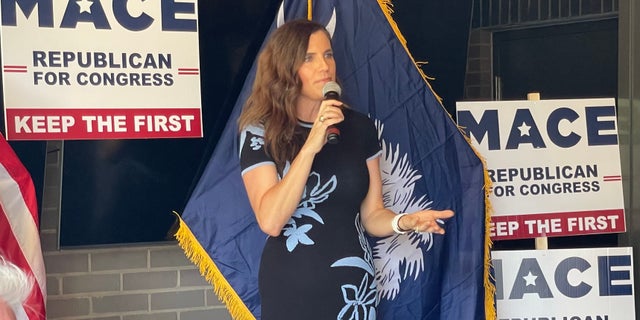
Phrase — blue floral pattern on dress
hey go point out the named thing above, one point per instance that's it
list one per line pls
(257, 143)
(360, 300)
(314, 192)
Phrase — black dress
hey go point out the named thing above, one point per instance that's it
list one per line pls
(320, 266)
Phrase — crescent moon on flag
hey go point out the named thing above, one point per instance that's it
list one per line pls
(331, 25)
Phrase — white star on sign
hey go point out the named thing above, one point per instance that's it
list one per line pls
(524, 129)
(530, 279)
(85, 5)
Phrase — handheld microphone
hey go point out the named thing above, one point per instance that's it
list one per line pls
(332, 90)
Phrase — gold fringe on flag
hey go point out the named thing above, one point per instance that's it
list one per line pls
(489, 281)
(208, 269)
(489, 286)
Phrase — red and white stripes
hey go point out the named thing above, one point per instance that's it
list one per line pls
(19, 232)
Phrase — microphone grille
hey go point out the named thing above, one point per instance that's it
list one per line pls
(331, 86)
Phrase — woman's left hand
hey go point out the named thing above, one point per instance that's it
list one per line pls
(424, 221)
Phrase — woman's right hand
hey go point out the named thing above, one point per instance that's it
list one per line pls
(329, 113)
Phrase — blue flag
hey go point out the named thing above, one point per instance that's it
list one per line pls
(426, 163)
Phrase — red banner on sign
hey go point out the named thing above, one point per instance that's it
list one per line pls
(557, 224)
(93, 124)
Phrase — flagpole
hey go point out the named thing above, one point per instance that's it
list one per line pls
(542, 243)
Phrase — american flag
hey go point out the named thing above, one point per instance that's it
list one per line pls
(19, 229)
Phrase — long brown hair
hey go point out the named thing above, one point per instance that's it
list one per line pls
(276, 88)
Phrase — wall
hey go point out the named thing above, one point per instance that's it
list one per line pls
(629, 123)
(135, 282)
(489, 16)
(478, 79)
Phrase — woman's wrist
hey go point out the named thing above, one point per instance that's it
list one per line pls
(395, 224)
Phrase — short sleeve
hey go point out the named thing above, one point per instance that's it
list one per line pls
(252, 150)
(371, 141)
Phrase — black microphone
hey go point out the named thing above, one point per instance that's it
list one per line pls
(332, 90)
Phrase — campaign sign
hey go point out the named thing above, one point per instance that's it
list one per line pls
(568, 284)
(100, 69)
(554, 165)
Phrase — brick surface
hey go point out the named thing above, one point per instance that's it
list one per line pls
(49, 218)
(48, 240)
(212, 299)
(211, 314)
(153, 316)
(53, 286)
(117, 260)
(150, 280)
(177, 300)
(120, 303)
(91, 283)
(172, 256)
(66, 262)
(57, 308)
(192, 278)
